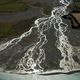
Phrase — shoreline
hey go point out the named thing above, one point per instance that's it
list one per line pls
(58, 73)
(46, 73)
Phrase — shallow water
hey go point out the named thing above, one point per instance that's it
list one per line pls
(6, 76)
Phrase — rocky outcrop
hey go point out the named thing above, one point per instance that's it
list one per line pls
(74, 17)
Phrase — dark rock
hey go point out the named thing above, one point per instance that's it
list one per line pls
(74, 17)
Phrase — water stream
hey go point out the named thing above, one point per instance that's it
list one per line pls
(34, 54)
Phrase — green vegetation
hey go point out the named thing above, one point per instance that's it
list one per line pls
(12, 6)
(10, 29)
(4, 1)
(5, 29)
(47, 9)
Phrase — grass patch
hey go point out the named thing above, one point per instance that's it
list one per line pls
(4, 1)
(5, 29)
(47, 9)
(11, 29)
(12, 6)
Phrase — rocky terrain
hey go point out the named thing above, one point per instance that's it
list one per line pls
(15, 21)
